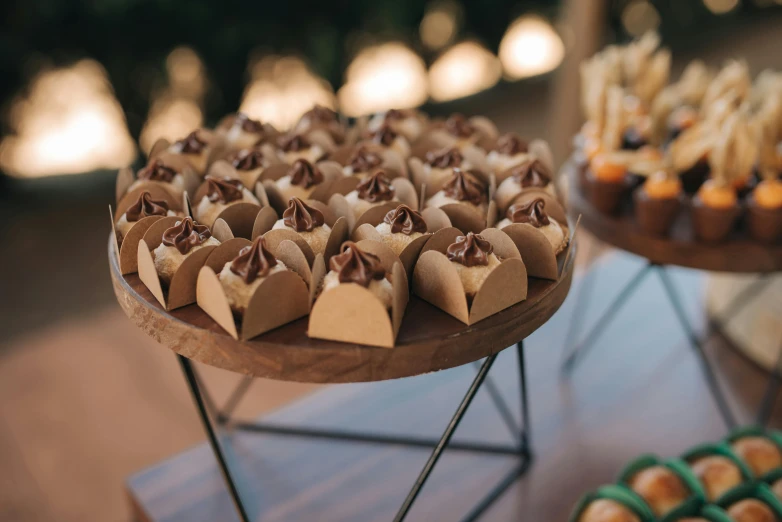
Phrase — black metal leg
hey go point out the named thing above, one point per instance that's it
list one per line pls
(526, 438)
(578, 350)
(708, 372)
(770, 395)
(193, 384)
(233, 400)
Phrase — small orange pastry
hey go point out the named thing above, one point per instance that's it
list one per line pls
(715, 210)
(764, 211)
(751, 510)
(605, 183)
(717, 473)
(661, 488)
(657, 203)
(607, 510)
(760, 453)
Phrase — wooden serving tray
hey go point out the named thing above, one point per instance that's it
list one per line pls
(738, 253)
(429, 339)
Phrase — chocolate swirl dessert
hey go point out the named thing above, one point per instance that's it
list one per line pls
(306, 221)
(354, 266)
(463, 188)
(372, 191)
(301, 180)
(144, 206)
(474, 259)
(220, 194)
(180, 241)
(400, 227)
(297, 146)
(533, 213)
(241, 276)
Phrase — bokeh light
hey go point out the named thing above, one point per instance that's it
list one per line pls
(440, 25)
(70, 122)
(640, 16)
(282, 88)
(384, 77)
(465, 69)
(721, 6)
(530, 47)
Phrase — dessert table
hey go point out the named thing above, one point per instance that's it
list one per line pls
(738, 254)
(429, 340)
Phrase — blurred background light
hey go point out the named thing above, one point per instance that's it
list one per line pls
(464, 69)
(282, 88)
(530, 47)
(186, 73)
(640, 16)
(440, 25)
(68, 122)
(383, 77)
(721, 6)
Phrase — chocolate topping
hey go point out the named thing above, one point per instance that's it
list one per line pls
(156, 171)
(186, 235)
(363, 160)
(511, 145)
(444, 158)
(293, 143)
(224, 190)
(463, 186)
(320, 114)
(253, 261)
(532, 173)
(459, 126)
(397, 114)
(247, 159)
(305, 174)
(405, 220)
(376, 188)
(302, 217)
(247, 124)
(532, 212)
(385, 135)
(145, 206)
(470, 250)
(191, 144)
(354, 265)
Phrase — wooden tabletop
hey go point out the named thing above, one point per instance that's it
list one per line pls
(429, 339)
(738, 254)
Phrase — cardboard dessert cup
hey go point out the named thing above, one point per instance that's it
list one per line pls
(350, 313)
(182, 290)
(681, 469)
(239, 215)
(405, 193)
(721, 450)
(534, 248)
(655, 216)
(436, 280)
(281, 297)
(764, 224)
(755, 431)
(619, 494)
(758, 491)
(605, 196)
(263, 226)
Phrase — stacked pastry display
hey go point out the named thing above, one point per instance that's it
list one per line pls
(738, 479)
(688, 158)
(344, 220)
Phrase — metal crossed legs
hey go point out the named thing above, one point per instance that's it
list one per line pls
(575, 351)
(207, 410)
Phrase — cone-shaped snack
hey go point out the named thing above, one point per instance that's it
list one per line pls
(661, 488)
(306, 221)
(715, 210)
(658, 202)
(605, 180)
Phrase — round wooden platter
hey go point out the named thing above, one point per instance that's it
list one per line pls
(738, 253)
(429, 339)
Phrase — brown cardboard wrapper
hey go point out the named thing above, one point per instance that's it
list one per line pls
(352, 314)
(263, 226)
(534, 248)
(655, 216)
(764, 224)
(281, 298)
(712, 225)
(182, 290)
(605, 196)
(240, 215)
(553, 207)
(435, 280)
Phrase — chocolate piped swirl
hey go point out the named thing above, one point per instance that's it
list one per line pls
(185, 235)
(293, 143)
(510, 144)
(532, 212)
(385, 135)
(247, 159)
(157, 171)
(224, 190)
(353, 265)
(470, 250)
(302, 217)
(191, 144)
(253, 261)
(364, 160)
(145, 206)
(405, 220)
(532, 173)
(444, 158)
(247, 124)
(375, 188)
(463, 186)
(305, 174)
(321, 114)
(459, 126)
